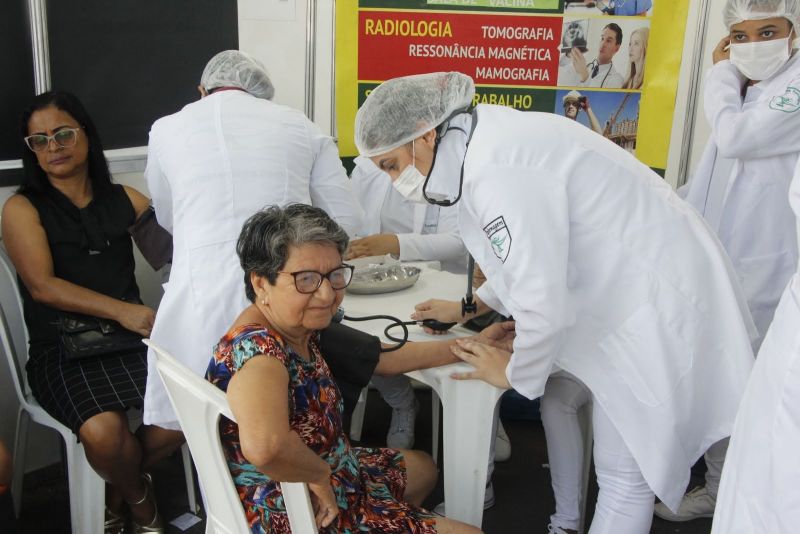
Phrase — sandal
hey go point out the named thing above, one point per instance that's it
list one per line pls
(156, 525)
(114, 523)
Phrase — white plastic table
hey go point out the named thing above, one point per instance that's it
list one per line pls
(468, 406)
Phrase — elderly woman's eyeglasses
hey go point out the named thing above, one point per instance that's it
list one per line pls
(309, 281)
(64, 138)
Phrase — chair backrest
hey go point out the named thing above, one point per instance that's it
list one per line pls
(198, 405)
(13, 331)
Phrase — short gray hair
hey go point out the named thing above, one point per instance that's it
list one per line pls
(263, 245)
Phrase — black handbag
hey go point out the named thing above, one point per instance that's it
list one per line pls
(84, 336)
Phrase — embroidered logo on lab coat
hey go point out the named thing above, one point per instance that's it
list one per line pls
(788, 102)
(499, 238)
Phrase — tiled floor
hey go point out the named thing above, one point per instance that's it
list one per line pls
(522, 484)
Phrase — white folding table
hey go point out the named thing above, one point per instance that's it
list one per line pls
(468, 405)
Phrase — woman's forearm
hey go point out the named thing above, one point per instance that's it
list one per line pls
(416, 355)
(293, 461)
(63, 295)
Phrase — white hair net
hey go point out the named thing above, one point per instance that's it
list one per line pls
(736, 11)
(402, 109)
(232, 68)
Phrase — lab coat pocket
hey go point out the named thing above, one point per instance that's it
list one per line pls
(649, 355)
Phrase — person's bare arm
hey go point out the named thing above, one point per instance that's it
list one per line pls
(416, 355)
(139, 201)
(426, 354)
(580, 64)
(258, 400)
(593, 122)
(27, 246)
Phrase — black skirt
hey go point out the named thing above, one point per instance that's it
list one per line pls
(74, 391)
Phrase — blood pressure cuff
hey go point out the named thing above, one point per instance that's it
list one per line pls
(153, 241)
(352, 357)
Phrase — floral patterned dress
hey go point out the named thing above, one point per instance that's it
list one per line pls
(368, 483)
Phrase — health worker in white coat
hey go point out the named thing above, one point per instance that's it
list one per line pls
(752, 102)
(209, 167)
(412, 232)
(395, 225)
(759, 490)
(608, 274)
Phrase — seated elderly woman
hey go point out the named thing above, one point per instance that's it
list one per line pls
(285, 400)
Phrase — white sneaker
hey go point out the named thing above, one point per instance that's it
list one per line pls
(502, 445)
(558, 530)
(401, 429)
(694, 505)
(488, 501)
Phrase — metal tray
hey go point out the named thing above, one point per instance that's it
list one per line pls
(382, 279)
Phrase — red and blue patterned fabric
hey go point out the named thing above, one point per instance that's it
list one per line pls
(368, 483)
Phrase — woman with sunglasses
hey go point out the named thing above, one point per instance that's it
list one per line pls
(66, 233)
(285, 400)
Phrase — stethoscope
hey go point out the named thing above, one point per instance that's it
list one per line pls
(468, 304)
(441, 131)
(597, 66)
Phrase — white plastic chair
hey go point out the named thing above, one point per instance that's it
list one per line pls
(87, 488)
(199, 405)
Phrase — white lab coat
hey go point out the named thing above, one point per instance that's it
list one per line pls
(742, 181)
(611, 277)
(607, 76)
(425, 231)
(210, 166)
(759, 490)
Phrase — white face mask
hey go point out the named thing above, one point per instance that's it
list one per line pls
(759, 60)
(411, 182)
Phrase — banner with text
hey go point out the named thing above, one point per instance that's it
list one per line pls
(612, 65)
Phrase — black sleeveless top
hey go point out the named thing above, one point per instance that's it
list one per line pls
(90, 247)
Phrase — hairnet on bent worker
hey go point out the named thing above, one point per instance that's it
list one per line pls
(736, 11)
(232, 68)
(402, 109)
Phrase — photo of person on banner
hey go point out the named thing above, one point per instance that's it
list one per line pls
(573, 103)
(624, 8)
(615, 42)
(637, 51)
(617, 112)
